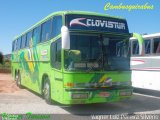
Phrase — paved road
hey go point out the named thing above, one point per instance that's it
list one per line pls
(22, 101)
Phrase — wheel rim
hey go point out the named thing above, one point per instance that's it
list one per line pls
(18, 80)
(46, 90)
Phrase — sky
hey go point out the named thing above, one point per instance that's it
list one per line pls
(18, 15)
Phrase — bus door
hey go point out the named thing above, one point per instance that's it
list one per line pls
(56, 65)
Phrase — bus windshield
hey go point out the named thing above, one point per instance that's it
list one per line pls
(98, 53)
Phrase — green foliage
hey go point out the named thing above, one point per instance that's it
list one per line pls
(6, 64)
(5, 67)
(1, 58)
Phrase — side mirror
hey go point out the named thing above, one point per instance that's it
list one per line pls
(73, 55)
(65, 38)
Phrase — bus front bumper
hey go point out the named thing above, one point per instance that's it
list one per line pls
(95, 95)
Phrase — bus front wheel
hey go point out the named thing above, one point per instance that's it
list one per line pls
(47, 91)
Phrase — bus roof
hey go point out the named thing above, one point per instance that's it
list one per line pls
(64, 13)
(148, 36)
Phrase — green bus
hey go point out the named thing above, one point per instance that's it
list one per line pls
(75, 57)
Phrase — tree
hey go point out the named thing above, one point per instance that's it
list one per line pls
(1, 57)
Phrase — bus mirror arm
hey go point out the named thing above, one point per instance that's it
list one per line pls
(140, 42)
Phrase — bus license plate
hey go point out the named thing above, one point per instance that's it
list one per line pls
(104, 94)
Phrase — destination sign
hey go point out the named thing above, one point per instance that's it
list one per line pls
(96, 23)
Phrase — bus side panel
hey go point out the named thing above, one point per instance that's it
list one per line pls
(29, 67)
(56, 86)
(145, 72)
(146, 79)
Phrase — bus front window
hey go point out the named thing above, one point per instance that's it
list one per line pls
(96, 53)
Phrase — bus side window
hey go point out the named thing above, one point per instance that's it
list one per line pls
(147, 46)
(29, 37)
(135, 48)
(156, 45)
(36, 35)
(23, 40)
(13, 46)
(46, 29)
(56, 54)
(19, 43)
(122, 49)
(56, 26)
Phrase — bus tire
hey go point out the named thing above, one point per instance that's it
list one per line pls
(47, 90)
(18, 79)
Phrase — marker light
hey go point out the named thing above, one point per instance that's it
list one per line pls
(68, 84)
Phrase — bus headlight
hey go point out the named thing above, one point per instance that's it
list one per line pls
(79, 95)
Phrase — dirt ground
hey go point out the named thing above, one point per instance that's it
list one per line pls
(7, 85)
(5, 70)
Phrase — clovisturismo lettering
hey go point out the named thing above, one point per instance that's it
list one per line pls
(97, 23)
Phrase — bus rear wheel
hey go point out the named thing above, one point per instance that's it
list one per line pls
(18, 80)
(47, 91)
